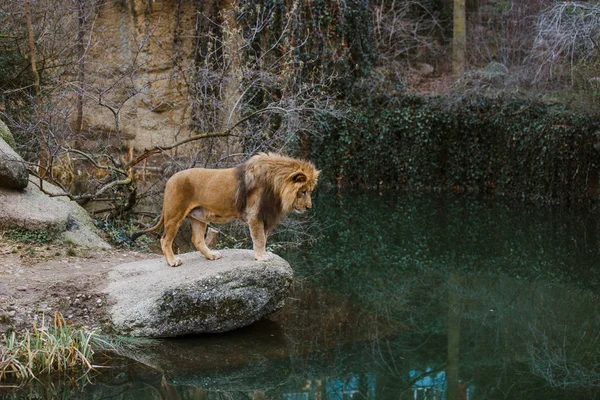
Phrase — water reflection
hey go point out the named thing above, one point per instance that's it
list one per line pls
(410, 298)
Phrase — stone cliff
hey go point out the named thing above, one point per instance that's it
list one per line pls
(138, 55)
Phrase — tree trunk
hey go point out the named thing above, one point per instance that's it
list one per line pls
(459, 38)
(232, 40)
(80, 63)
(36, 76)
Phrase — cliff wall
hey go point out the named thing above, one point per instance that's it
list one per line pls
(138, 58)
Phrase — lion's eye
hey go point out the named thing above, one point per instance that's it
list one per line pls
(301, 194)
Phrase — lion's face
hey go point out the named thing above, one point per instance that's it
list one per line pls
(296, 194)
(303, 200)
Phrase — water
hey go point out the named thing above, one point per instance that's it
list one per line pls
(426, 297)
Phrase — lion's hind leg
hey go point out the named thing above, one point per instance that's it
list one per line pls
(198, 232)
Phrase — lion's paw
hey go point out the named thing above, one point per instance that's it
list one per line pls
(176, 263)
(214, 255)
(264, 257)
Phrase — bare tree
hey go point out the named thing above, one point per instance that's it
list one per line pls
(404, 32)
(245, 90)
(31, 43)
(568, 35)
(459, 38)
(266, 99)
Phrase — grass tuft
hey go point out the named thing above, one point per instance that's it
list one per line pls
(56, 348)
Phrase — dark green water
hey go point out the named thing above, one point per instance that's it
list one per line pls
(403, 298)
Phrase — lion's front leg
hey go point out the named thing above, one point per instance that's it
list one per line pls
(259, 240)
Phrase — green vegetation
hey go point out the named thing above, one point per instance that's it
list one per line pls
(57, 348)
(508, 147)
(29, 236)
(119, 232)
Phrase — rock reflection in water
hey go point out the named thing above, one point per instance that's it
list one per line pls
(236, 361)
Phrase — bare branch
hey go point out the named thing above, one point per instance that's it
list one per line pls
(567, 33)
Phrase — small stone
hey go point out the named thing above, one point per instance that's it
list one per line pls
(12, 313)
(22, 289)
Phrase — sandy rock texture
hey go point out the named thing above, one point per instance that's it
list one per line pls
(149, 299)
(148, 44)
(33, 210)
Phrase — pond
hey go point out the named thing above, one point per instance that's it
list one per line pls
(403, 297)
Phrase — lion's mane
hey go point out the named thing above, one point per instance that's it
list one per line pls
(276, 180)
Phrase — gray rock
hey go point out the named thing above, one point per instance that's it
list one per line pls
(6, 135)
(148, 298)
(13, 170)
(34, 210)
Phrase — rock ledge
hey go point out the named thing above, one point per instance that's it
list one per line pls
(148, 298)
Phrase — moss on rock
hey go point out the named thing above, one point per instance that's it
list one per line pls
(6, 135)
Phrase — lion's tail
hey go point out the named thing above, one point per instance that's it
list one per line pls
(153, 228)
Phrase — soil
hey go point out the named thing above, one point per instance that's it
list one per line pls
(36, 281)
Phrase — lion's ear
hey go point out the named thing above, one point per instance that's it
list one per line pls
(299, 177)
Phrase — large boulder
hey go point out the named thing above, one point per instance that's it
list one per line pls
(148, 298)
(13, 170)
(34, 210)
(6, 135)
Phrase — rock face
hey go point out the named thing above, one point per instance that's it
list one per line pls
(33, 210)
(6, 135)
(13, 171)
(150, 299)
(161, 112)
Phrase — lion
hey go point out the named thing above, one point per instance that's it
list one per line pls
(258, 192)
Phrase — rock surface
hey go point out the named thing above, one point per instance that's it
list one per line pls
(6, 135)
(148, 298)
(13, 171)
(156, 115)
(33, 210)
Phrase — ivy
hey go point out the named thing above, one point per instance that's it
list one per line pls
(508, 147)
(22, 235)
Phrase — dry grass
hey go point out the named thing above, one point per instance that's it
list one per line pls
(56, 348)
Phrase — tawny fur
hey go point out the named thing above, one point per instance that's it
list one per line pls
(258, 192)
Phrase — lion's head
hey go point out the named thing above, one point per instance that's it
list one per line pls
(283, 184)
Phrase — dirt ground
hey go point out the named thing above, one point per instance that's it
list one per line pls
(38, 280)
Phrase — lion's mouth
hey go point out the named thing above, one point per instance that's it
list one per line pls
(298, 211)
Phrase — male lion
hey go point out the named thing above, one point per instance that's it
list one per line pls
(258, 192)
